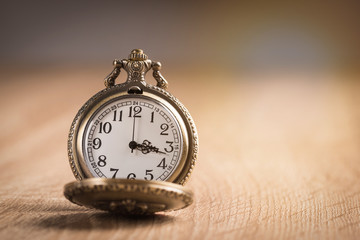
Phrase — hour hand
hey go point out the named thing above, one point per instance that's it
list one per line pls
(146, 147)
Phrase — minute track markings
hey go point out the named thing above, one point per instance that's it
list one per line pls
(153, 114)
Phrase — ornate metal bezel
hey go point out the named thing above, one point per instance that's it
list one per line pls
(189, 132)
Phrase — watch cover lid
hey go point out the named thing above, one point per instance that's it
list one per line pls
(128, 196)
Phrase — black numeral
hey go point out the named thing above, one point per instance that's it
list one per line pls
(164, 127)
(136, 111)
(162, 164)
(106, 127)
(116, 116)
(152, 117)
(148, 173)
(171, 147)
(96, 143)
(131, 176)
(102, 161)
(114, 170)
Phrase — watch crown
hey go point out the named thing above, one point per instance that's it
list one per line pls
(137, 55)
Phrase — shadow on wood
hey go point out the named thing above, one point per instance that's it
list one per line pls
(99, 220)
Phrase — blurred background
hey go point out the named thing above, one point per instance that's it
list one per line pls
(232, 35)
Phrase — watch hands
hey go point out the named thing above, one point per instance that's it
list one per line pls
(145, 147)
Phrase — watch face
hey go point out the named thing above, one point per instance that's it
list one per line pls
(133, 137)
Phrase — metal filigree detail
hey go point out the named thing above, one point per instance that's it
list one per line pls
(129, 206)
(137, 65)
(161, 82)
(110, 79)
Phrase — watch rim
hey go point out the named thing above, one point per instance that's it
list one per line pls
(192, 137)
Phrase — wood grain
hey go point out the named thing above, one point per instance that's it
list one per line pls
(279, 158)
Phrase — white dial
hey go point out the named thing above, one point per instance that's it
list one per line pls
(132, 137)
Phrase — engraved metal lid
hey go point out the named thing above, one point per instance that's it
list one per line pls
(128, 196)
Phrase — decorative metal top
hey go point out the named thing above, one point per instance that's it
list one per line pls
(137, 65)
(138, 55)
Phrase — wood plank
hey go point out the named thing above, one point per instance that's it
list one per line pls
(279, 158)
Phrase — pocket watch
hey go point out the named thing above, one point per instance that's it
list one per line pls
(132, 146)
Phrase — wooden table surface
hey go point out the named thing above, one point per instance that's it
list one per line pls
(279, 158)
